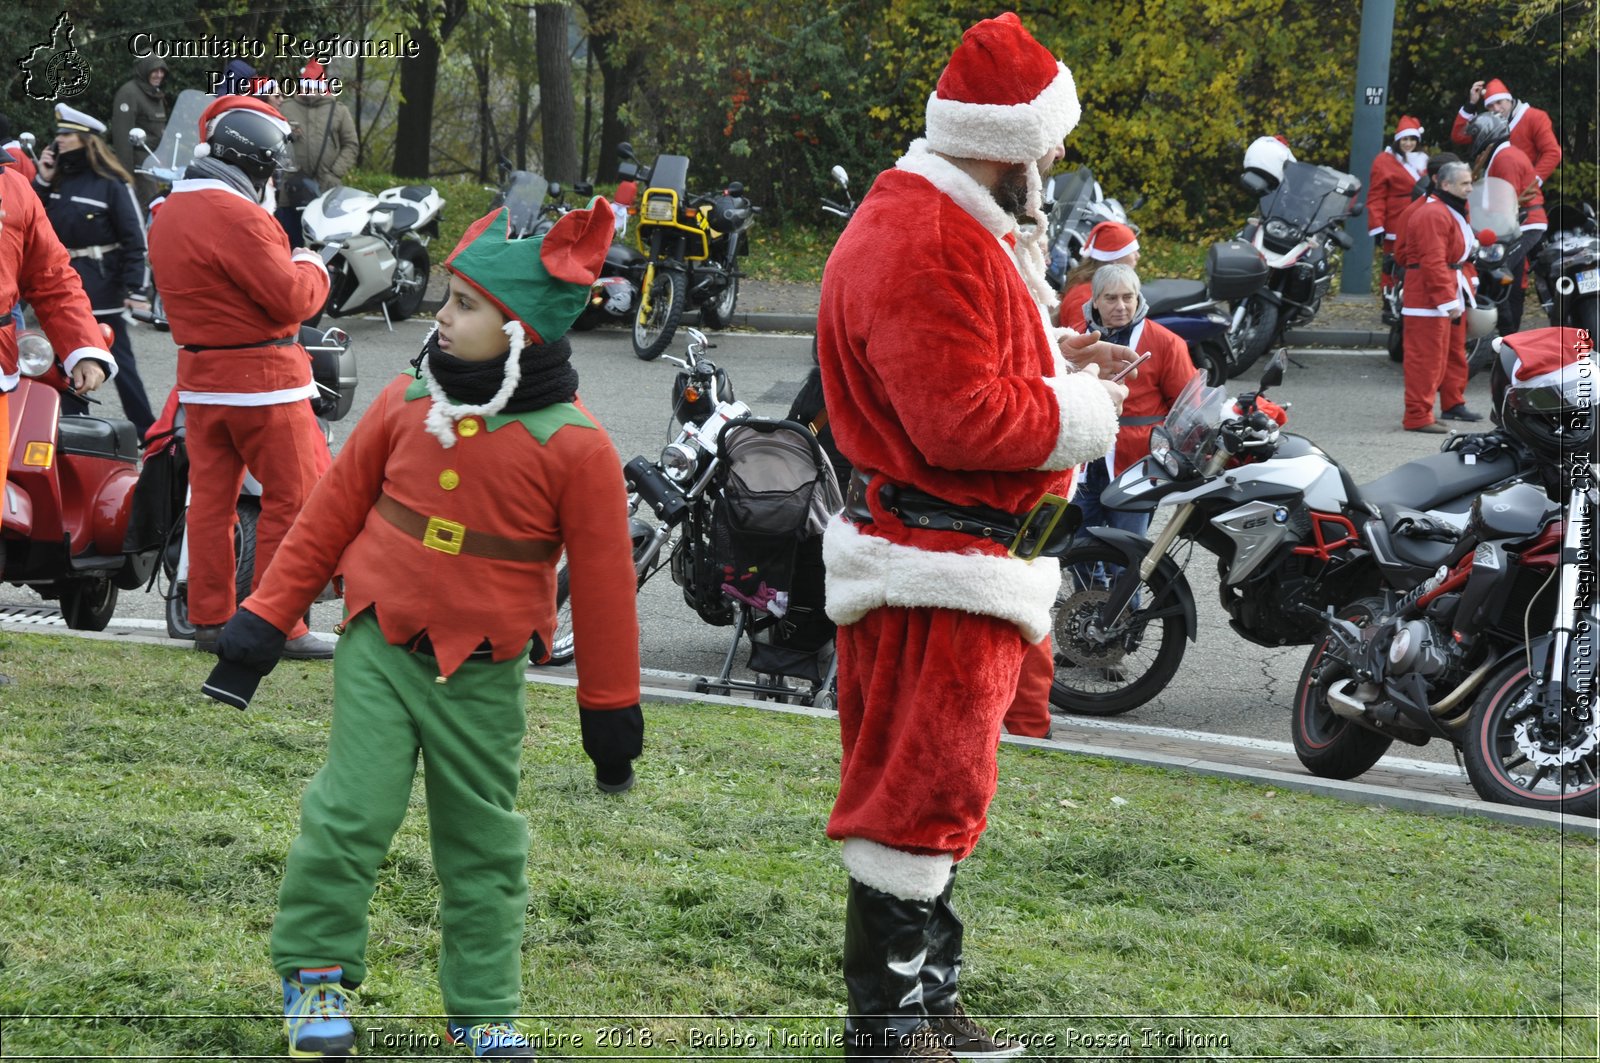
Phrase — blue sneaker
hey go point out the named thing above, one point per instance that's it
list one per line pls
(316, 1015)
(496, 1040)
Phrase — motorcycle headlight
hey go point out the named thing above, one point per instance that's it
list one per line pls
(658, 208)
(677, 461)
(35, 356)
(1492, 255)
(1281, 231)
(1161, 452)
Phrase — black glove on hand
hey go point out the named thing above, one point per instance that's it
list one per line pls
(612, 738)
(247, 651)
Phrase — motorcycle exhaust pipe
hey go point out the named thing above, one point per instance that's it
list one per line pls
(1565, 285)
(1344, 703)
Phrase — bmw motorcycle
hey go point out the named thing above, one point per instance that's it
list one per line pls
(1291, 531)
(1298, 218)
(375, 247)
(1568, 265)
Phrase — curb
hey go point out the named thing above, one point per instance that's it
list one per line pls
(1359, 338)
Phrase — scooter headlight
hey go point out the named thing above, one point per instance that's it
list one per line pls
(35, 356)
(1492, 255)
(678, 461)
(1161, 452)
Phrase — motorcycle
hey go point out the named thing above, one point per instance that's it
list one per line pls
(1291, 531)
(1493, 653)
(375, 247)
(1568, 265)
(691, 248)
(1075, 204)
(739, 505)
(1298, 218)
(70, 490)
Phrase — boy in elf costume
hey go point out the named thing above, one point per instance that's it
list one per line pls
(445, 513)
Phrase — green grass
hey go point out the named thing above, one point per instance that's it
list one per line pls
(143, 830)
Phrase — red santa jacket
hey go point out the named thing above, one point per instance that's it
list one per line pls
(230, 283)
(1434, 246)
(34, 267)
(551, 475)
(945, 375)
(1512, 166)
(1072, 301)
(1150, 394)
(1530, 131)
(1389, 192)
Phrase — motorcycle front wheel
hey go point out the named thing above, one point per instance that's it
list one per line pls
(88, 604)
(1397, 340)
(179, 626)
(410, 280)
(668, 295)
(1256, 331)
(1512, 758)
(561, 641)
(1329, 745)
(1108, 673)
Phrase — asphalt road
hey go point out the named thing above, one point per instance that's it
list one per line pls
(1347, 401)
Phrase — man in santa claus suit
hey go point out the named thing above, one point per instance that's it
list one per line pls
(1435, 252)
(1395, 173)
(961, 409)
(1531, 130)
(235, 306)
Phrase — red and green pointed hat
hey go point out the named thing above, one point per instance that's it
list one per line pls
(542, 281)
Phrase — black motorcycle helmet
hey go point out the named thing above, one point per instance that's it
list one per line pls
(252, 142)
(1544, 394)
(1488, 130)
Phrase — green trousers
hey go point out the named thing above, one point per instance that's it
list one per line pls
(387, 708)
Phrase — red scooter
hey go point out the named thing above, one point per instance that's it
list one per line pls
(68, 496)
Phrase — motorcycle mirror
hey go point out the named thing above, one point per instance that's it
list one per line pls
(840, 176)
(136, 137)
(1254, 183)
(26, 140)
(554, 190)
(583, 188)
(1273, 376)
(735, 188)
(1343, 238)
(1137, 203)
(626, 151)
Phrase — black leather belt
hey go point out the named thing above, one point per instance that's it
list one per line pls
(1046, 530)
(284, 342)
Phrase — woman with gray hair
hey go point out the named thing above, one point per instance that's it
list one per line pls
(1117, 310)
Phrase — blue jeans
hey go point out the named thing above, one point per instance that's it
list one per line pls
(1093, 480)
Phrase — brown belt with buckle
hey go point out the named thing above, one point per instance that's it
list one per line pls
(449, 537)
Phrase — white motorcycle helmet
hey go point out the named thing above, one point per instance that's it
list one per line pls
(1268, 156)
(1481, 321)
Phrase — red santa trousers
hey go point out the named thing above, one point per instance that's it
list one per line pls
(1436, 364)
(1030, 709)
(5, 449)
(921, 696)
(283, 447)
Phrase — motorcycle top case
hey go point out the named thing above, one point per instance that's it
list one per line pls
(1234, 270)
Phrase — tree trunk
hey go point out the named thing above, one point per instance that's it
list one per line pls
(618, 74)
(556, 109)
(418, 78)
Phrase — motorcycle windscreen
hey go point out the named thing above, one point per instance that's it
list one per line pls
(1492, 204)
(1195, 414)
(1309, 196)
(524, 199)
(178, 141)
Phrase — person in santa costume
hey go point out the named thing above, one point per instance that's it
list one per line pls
(235, 306)
(34, 267)
(1436, 253)
(960, 410)
(1108, 242)
(446, 512)
(1494, 155)
(1531, 130)
(1395, 173)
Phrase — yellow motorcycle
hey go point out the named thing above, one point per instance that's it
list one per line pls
(691, 246)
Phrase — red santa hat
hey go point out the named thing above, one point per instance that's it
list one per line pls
(1109, 241)
(1002, 96)
(314, 70)
(1495, 91)
(1408, 127)
(223, 105)
(1544, 354)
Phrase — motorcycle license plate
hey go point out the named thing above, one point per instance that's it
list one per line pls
(1588, 281)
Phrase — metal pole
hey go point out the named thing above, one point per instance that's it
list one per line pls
(1367, 129)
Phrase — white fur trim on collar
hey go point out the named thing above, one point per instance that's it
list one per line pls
(954, 182)
(1017, 132)
(866, 572)
(908, 876)
(443, 414)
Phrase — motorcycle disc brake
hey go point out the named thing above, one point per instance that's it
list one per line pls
(1077, 631)
(1526, 736)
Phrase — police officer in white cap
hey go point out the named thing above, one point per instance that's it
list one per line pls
(89, 199)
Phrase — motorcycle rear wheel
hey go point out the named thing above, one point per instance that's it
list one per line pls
(1397, 340)
(411, 280)
(669, 294)
(1107, 676)
(1503, 736)
(179, 626)
(562, 644)
(88, 604)
(1256, 333)
(718, 313)
(1329, 745)
(1212, 357)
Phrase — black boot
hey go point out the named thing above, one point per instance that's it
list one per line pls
(885, 946)
(941, 997)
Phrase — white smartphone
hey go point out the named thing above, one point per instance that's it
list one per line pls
(1131, 366)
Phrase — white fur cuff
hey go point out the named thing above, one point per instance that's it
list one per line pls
(895, 872)
(866, 572)
(1088, 424)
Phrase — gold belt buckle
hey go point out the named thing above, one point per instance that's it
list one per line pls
(444, 536)
(1053, 508)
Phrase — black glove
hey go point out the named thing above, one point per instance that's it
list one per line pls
(247, 650)
(613, 738)
(1377, 241)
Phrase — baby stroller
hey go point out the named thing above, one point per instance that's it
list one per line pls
(776, 491)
